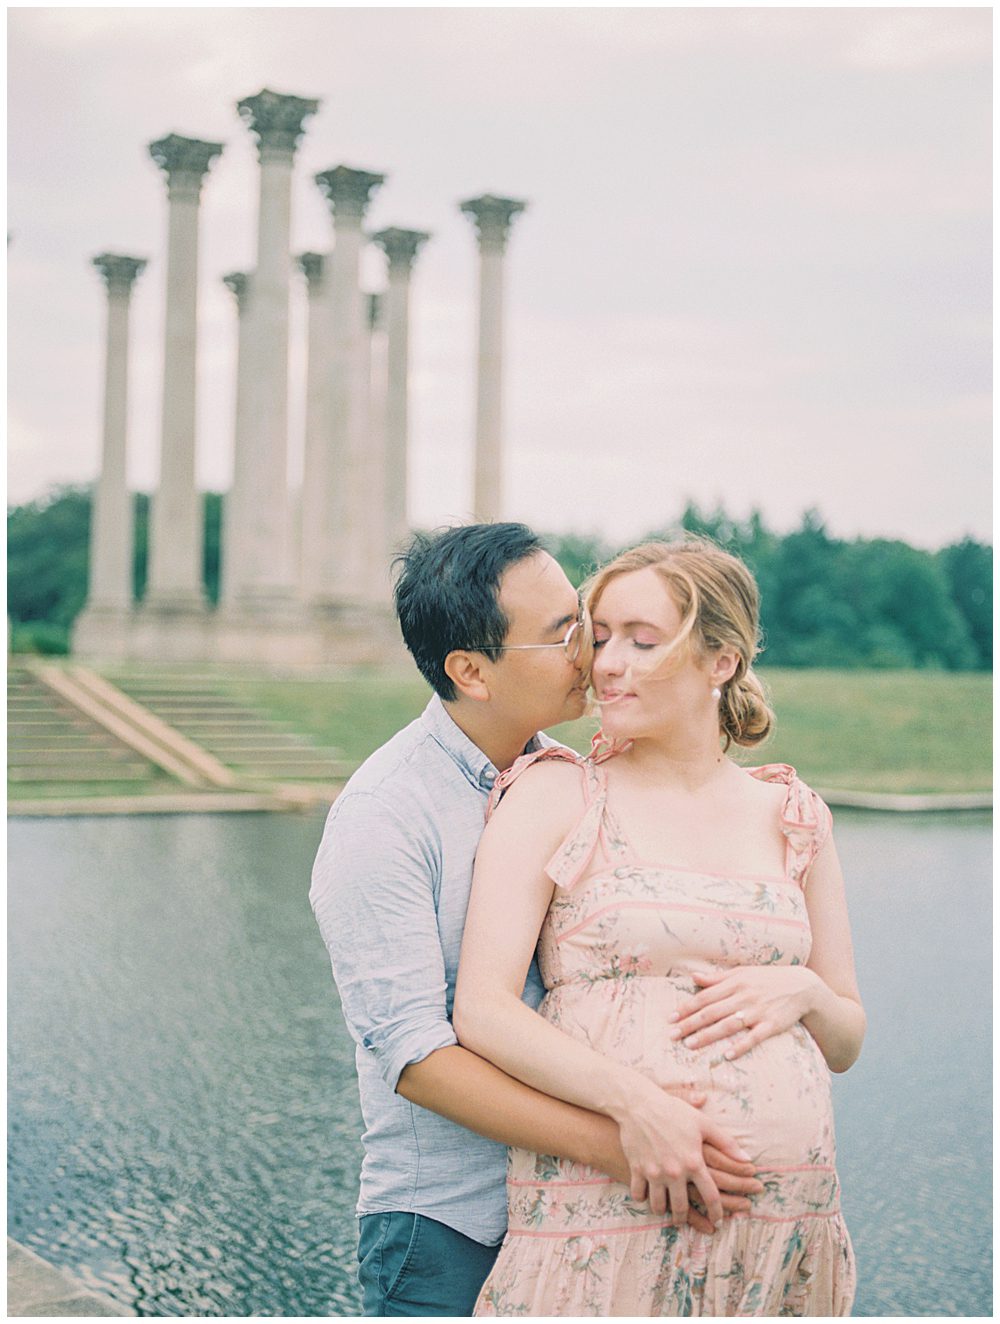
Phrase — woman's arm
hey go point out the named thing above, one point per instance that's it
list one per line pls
(662, 1136)
(766, 1000)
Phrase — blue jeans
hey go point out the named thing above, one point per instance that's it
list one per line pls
(412, 1265)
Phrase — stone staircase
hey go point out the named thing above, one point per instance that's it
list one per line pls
(51, 743)
(258, 750)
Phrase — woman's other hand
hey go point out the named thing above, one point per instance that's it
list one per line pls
(752, 1002)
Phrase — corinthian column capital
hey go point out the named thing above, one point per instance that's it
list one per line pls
(312, 265)
(348, 191)
(119, 272)
(276, 120)
(184, 161)
(493, 218)
(400, 246)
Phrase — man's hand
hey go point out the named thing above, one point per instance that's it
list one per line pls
(735, 1181)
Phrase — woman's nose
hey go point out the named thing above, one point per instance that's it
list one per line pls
(608, 660)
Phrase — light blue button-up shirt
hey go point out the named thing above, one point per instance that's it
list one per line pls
(390, 889)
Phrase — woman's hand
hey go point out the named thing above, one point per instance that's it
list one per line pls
(753, 1001)
(663, 1139)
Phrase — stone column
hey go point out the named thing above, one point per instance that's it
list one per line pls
(342, 568)
(263, 576)
(100, 626)
(377, 582)
(317, 428)
(233, 510)
(400, 247)
(492, 217)
(177, 525)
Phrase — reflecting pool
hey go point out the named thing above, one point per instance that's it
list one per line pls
(183, 1119)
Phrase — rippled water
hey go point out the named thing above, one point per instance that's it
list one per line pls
(182, 1106)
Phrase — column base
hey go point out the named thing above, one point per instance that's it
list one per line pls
(279, 634)
(171, 630)
(102, 634)
(338, 632)
(357, 633)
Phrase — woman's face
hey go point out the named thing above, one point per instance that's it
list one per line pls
(640, 691)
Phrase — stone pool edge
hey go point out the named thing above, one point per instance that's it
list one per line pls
(291, 798)
(36, 1288)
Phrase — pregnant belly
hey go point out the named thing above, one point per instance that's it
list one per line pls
(774, 1101)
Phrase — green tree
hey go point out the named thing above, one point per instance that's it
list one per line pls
(579, 554)
(902, 600)
(47, 563)
(968, 567)
(47, 553)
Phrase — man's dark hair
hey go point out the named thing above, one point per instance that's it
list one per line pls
(448, 589)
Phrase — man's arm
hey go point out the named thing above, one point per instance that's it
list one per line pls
(472, 1092)
(373, 899)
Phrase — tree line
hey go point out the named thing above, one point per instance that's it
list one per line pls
(825, 601)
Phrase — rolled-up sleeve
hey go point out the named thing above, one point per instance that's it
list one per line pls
(373, 897)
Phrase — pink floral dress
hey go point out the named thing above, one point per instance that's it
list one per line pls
(615, 951)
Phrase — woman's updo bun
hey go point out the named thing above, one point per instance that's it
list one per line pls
(745, 717)
(719, 603)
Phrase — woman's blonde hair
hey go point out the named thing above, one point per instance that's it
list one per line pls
(719, 603)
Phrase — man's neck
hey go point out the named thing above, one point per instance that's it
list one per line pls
(500, 745)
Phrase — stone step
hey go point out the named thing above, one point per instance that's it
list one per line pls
(51, 741)
(243, 753)
(50, 715)
(60, 772)
(206, 729)
(78, 759)
(252, 744)
(64, 736)
(267, 762)
(45, 753)
(176, 705)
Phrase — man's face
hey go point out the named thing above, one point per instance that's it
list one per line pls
(538, 687)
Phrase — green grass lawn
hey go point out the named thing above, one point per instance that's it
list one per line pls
(904, 731)
(78, 790)
(896, 731)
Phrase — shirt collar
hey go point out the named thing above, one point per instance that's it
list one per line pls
(457, 745)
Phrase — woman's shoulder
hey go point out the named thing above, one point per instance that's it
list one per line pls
(783, 777)
(549, 778)
(805, 816)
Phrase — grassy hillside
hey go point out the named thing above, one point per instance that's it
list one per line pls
(861, 730)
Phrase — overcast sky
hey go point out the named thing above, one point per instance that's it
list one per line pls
(754, 268)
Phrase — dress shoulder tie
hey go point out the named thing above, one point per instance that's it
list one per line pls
(570, 861)
(806, 821)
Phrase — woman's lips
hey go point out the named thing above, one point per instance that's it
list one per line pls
(613, 696)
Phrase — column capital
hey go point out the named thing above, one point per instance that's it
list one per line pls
(239, 283)
(400, 246)
(312, 265)
(119, 272)
(276, 120)
(493, 217)
(348, 191)
(184, 161)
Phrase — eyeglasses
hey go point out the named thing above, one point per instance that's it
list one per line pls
(575, 642)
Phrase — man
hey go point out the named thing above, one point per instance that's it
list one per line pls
(495, 628)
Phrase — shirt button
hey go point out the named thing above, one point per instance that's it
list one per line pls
(488, 777)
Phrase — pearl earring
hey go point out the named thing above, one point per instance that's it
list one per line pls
(716, 694)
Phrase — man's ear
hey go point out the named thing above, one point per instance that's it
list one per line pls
(468, 674)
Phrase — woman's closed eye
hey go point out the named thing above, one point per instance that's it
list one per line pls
(636, 643)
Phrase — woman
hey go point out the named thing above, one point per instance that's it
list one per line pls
(692, 934)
